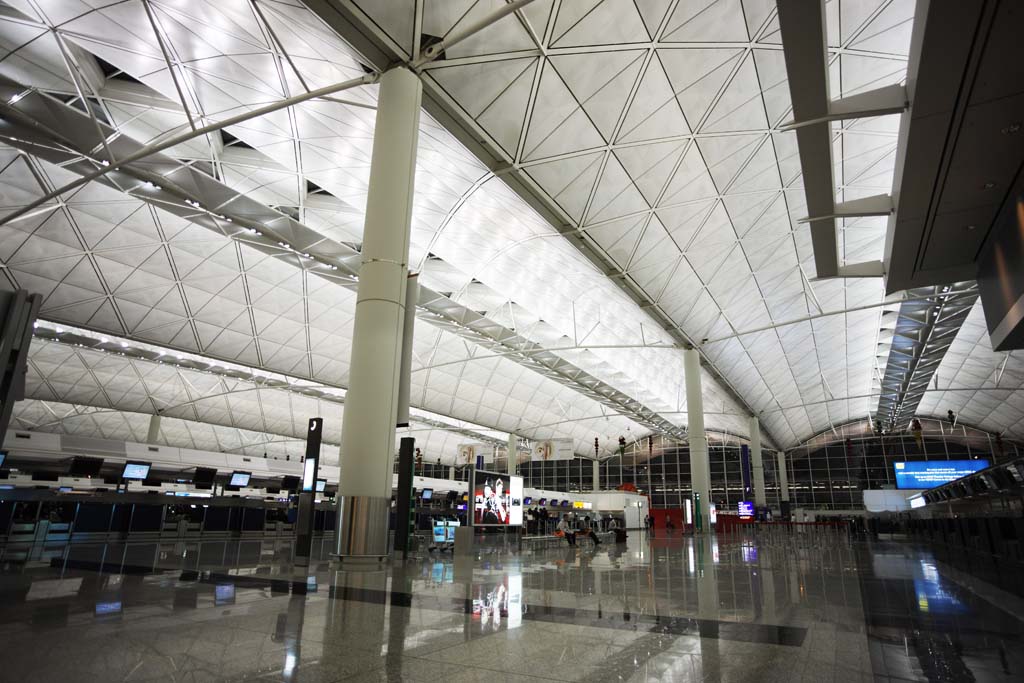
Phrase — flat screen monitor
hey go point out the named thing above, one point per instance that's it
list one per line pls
(82, 466)
(321, 485)
(926, 474)
(240, 479)
(427, 494)
(204, 476)
(528, 500)
(440, 532)
(290, 483)
(543, 501)
(745, 508)
(137, 471)
(3, 456)
(497, 499)
(565, 503)
(553, 502)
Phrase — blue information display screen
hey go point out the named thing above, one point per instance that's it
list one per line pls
(745, 508)
(928, 474)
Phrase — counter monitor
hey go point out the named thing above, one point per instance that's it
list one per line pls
(136, 471)
(240, 479)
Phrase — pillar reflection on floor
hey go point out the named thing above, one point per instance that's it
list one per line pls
(761, 606)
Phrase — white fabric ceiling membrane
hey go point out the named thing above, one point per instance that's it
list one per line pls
(82, 383)
(653, 128)
(667, 159)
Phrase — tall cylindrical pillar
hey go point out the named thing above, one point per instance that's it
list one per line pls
(700, 471)
(597, 475)
(783, 478)
(368, 424)
(153, 435)
(756, 462)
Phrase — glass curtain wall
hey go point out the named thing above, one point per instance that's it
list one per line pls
(827, 472)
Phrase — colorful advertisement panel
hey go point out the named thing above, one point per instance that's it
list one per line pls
(497, 499)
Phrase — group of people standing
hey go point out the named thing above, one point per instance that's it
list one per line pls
(539, 521)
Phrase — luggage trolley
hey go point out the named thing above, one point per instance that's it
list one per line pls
(442, 536)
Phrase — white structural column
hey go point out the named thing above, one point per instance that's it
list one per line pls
(783, 477)
(756, 463)
(597, 475)
(513, 453)
(153, 435)
(368, 424)
(700, 471)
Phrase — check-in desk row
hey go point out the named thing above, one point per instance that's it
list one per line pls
(999, 536)
(34, 524)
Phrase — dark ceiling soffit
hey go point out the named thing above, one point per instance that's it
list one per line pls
(946, 40)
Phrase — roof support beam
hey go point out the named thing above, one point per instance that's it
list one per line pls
(802, 25)
(875, 205)
(107, 165)
(891, 99)
(921, 334)
(804, 46)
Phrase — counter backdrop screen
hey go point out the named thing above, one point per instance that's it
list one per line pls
(926, 474)
(497, 499)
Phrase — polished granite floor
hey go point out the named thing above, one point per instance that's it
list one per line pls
(778, 607)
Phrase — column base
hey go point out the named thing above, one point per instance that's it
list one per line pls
(363, 532)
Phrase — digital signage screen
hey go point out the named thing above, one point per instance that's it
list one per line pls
(240, 478)
(497, 499)
(745, 508)
(308, 474)
(926, 474)
(321, 485)
(135, 470)
(427, 494)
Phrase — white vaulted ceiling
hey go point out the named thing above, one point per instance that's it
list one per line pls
(652, 129)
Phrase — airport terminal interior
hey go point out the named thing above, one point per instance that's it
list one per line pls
(511, 340)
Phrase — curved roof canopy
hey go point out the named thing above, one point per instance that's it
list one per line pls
(596, 186)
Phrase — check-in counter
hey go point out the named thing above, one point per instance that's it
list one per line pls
(36, 524)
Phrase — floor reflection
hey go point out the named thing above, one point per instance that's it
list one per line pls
(762, 607)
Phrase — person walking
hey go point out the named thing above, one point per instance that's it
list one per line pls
(566, 529)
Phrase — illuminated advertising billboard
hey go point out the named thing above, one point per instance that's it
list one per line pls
(926, 474)
(497, 499)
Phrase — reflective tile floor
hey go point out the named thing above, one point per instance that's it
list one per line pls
(778, 607)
